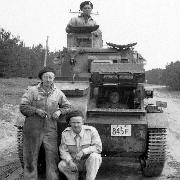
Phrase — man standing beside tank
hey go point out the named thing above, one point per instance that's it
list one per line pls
(84, 19)
(42, 105)
(80, 148)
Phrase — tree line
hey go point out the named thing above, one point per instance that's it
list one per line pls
(170, 76)
(17, 60)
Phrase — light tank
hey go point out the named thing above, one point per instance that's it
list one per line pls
(87, 73)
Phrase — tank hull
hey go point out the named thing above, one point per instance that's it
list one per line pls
(116, 141)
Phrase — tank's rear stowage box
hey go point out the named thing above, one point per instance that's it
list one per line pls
(88, 73)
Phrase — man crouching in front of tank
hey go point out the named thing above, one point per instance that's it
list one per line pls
(80, 148)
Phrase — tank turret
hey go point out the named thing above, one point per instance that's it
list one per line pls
(83, 37)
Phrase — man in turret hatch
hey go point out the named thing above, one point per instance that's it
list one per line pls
(84, 19)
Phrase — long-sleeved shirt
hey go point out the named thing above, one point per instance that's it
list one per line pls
(89, 142)
(37, 98)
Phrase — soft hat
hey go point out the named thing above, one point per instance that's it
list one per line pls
(44, 70)
(74, 113)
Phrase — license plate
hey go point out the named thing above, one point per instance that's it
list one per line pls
(120, 130)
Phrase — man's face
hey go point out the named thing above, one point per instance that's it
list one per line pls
(114, 97)
(48, 78)
(87, 9)
(76, 124)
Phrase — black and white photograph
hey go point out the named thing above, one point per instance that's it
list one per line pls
(90, 90)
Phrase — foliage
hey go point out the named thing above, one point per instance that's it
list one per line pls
(170, 76)
(154, 76)
(16, 60)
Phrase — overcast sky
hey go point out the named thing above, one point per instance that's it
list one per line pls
(153, 24)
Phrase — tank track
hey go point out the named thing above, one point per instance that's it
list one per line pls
(8, 169)
(153, 162)
(20, 144)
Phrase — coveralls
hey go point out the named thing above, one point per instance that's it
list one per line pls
(39, 130)
(81, 21)
(90, 143)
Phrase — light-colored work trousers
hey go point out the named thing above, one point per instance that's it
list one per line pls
(90, 165)
(37, 131)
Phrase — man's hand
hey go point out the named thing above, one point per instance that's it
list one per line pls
(56, 115)
(73, 167)
(41, 113)
(79, 155)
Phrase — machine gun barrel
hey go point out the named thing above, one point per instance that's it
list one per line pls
(78, 12)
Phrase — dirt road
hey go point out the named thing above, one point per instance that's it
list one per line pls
(115, 169)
